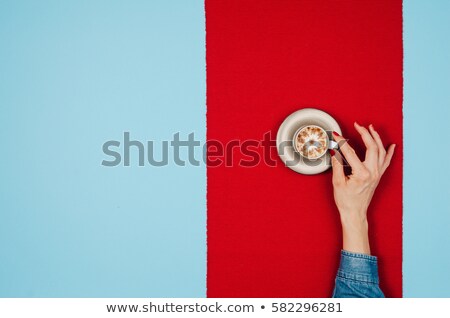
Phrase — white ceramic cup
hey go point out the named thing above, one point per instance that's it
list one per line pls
(315, 140)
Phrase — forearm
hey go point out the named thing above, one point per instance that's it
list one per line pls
(355, 233)
(358, 271)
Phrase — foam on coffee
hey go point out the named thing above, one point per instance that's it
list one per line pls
(311, 142)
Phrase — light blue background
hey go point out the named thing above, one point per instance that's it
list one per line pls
(74, 74)
(426, 215)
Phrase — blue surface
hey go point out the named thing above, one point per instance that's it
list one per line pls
(426, 216)
(74, 74)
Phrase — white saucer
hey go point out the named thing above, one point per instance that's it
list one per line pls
(302, 117)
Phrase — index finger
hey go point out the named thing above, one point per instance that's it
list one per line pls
(348, 152)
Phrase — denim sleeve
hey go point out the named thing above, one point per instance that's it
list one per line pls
(357, 277)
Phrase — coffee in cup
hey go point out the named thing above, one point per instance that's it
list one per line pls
(311, 142)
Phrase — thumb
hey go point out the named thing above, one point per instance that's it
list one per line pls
(338, 169)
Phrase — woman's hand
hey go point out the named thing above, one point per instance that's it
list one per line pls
(353, 193)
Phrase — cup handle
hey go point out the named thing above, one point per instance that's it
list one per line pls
(332, 145)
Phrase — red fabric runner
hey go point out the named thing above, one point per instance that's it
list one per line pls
(273, 232)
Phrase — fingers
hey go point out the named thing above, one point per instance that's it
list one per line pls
(338, 171)
(371, 146)
(388, 158)
(348, 152)
(381, 150)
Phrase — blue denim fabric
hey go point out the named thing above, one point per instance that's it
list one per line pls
(357, 277)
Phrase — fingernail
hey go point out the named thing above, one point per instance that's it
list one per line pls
(357, 124)
(332, 152)
(336, 134)
(371, 126)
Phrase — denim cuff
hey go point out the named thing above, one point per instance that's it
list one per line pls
(358, 267)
